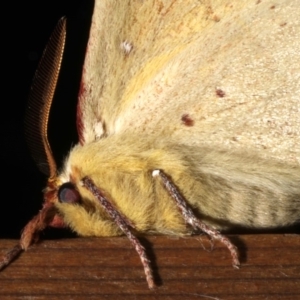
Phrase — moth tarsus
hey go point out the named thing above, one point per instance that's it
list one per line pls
(191, 219)
(10, 255)
(124, 224)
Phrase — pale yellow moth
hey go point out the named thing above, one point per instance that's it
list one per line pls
(188, 119)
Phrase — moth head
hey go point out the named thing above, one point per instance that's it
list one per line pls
(62, 192)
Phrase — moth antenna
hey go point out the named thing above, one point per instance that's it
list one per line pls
(30, 234)
(124, 224)
(191, 219)
(36, 126)
(40, 100)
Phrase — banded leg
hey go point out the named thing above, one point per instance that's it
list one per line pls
(30, 234)
(10, 255)
(191, 219)
(124, 224)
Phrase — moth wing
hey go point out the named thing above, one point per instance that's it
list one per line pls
(220, 73)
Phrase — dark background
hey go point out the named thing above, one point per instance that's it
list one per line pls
(24, 37)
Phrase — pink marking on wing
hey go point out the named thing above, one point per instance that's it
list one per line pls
(79, 115)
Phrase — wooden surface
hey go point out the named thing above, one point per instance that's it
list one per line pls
(109, 268)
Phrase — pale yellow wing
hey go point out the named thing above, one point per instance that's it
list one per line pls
(220, 73)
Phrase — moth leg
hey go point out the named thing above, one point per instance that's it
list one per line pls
(191, 219)
(29, 234)
(10, 255)
(124, 224)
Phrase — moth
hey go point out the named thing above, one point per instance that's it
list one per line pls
(188, 121)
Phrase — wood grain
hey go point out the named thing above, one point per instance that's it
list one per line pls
(185, 268)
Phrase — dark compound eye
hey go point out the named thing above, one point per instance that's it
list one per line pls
(67, 193)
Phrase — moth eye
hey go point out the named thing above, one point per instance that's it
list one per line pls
(67, 193)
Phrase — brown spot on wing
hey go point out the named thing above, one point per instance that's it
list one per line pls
(187, 120)
(220, 93)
